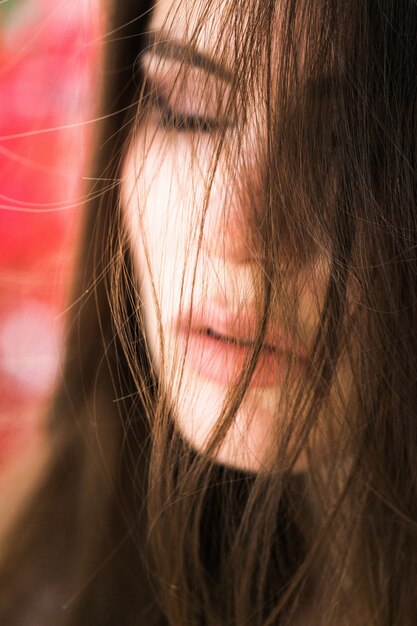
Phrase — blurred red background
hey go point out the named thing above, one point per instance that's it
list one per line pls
(47, 54)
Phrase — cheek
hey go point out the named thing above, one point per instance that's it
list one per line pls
(161, 193)
(150, 200)
(160, 203)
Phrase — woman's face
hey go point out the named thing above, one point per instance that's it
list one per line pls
(197, 257)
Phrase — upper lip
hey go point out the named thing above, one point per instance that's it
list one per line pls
(236, 326)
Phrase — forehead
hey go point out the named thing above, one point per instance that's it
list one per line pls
(181, 17)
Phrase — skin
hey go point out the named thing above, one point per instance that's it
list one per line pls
(162, 200)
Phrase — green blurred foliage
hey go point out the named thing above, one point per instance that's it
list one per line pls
(8, 5)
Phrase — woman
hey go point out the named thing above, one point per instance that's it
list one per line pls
(234, 438)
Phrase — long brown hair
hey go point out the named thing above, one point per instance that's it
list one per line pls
(131, 524)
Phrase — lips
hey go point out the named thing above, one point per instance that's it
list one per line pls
(218, 342)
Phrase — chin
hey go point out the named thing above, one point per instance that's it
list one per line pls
(250, 441)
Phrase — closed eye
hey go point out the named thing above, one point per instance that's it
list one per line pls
(183, 122)
(186, 99)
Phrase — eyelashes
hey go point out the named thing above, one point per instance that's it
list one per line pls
(171, 118)
(184, 100)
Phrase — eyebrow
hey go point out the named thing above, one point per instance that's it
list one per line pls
(160, 43)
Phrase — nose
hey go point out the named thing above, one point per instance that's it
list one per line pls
(231, 228)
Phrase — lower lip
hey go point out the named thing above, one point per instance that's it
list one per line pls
(223, 362)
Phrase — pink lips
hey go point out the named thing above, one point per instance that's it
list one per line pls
(218, 342)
